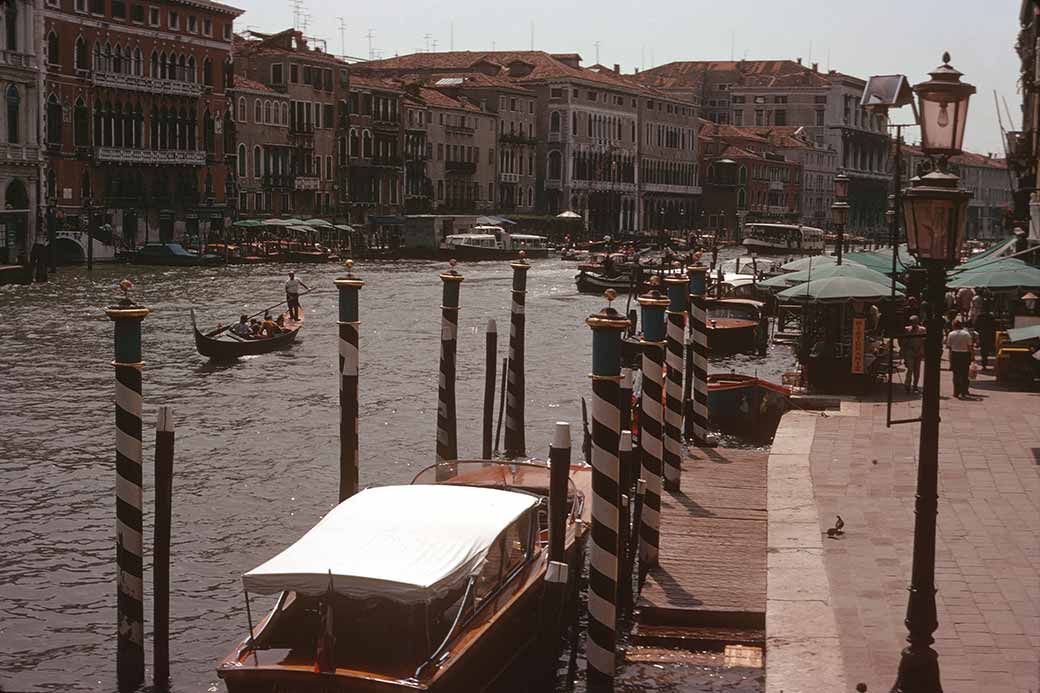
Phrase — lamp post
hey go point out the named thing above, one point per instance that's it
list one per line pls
(840, 210)
(934, 213)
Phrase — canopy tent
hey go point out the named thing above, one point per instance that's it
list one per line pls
(406, 543)
(486, 221)
(344, 227)
(842, 270)
(998, 249)
(1023, 334)
(1006, 276)
(568, 215)
(990, 265)
(317, 222)
(838, 290)
(248, 223)
(813, 261)
(881, 260)
(283, 222)
(302, 228)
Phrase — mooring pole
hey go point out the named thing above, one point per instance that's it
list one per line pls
(349, 287)
(447, 434)
(515, 440)
(698, 318)
(127, 317)
(637, 522)
(556, 574)
(607, 326)
(625, 533)
(625, 400)
(677, 295)
(490, 364)
(650, 424)
(164, 443)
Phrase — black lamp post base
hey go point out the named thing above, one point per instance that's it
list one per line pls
(918, 671)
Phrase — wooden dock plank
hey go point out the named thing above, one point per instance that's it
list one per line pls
(712, 568)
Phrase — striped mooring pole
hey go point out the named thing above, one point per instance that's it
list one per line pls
(127, 317)
(652, 306)
(447, 433)
(515, 391)
(607, 327)
(698, 320)
(677, 288)
(349, 287)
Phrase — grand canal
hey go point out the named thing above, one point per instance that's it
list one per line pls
(257, 441)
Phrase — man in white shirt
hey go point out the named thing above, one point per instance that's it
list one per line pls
(960, 342)
(292, 295)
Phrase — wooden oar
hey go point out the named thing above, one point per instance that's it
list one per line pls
(220, 330)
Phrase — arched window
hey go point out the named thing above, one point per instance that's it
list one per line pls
(208, 137)
(258, 113)
(117, 59)
(80, 124)
(241, 161)
(106, 58)
(154, 72)
(555, 165)
(285, 114)
(741, 199)
(554, 122)
(11, 26)
(182, 69)
(163, 74)
(53, 54)
(14, 101)
(53, 120)
(242, 114)
(354, 142)
(743, 175)
(192, 74)
(257, 162)
(138, 60)
(268, 118)
(81, 54)
(366, 144)
(127, 63)
(207, 72)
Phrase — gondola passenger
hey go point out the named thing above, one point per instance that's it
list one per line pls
(242, 328)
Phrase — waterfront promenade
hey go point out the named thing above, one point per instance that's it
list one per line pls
(835, 607)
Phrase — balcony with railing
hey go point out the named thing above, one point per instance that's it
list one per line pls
(20, 153)
(307, 183)
(509, 177)
(459, 130)
(175, 157)
(151, 85)
(277, 181)
(510, 138)
(465, 168)
(16, 59)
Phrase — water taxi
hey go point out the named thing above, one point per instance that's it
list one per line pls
(783, 238)
(494, 243)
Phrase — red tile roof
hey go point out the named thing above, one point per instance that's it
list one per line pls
(748, 73)
(367, 82)
(260, 44)
(438, 99)
(252, 85)
(962, 159)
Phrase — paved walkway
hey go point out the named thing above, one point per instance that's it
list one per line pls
(988, 552)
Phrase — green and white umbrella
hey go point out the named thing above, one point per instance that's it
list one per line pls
(999, 275)
(317, 222)
(837, 290)
(804, 263)
(842, 270)
(248, 223)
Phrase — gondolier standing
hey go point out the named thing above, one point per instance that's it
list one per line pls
(292, 295)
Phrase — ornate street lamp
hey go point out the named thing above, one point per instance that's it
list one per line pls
(934, 212)
(840, 210)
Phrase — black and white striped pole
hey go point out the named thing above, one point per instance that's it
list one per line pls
(698, 320)
(349, 287)
(127, 317)
(515, 390)
(652, 306)
(625, 400)
(677, 288)
(447, 431)
(607, 327)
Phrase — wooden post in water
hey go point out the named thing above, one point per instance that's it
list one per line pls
(698, 319)
(491, 362)
(677, 295)
(650, 424)
(447, 431)
(607, 327)
(625, 533)
(164, 445)
(349, 287)
(625, 400)
(556, 575)
(516, 443)
(127, 317)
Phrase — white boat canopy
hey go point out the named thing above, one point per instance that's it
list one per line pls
(405, 543)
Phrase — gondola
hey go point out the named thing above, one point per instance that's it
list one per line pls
(227, 346)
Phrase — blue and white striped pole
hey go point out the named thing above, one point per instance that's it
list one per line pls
(677, 287)
(349, 287)
(607, 327)
(447, 432)
(653, 306)
(515, 442)
(127, 317)
(698, 320)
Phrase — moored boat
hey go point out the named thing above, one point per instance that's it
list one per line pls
(746, 406)
(494, 243)
(222, 345)
(172, 255)
(736, 325)
(783, 238)
(435, 586)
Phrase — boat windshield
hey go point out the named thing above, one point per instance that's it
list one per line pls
(532, 478)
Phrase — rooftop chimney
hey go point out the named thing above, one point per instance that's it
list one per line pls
(799, 61)
(617, 69)
(815, 67)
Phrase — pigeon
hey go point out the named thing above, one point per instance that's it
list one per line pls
(838, 529)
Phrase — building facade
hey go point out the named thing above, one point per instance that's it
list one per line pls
(374, 145)
(262, 159)
(819, 166)
(314, 83)
(136, 100)
(1023, 145)
(21, 80)
(783, 93)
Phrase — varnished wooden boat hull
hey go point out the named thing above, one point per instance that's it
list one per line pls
(226, 350)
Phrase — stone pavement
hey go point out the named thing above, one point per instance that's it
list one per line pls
(988, 550)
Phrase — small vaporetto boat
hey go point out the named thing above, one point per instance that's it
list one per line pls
(225, 346)
(434, 586)
(746, 406)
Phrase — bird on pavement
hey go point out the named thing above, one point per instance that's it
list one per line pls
(838, 529)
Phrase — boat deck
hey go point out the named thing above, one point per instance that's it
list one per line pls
(712, 572)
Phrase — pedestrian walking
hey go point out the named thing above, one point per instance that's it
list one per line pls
(960, 341)
(292, 295)
(986, 328)
(965, 296)
(912, 349)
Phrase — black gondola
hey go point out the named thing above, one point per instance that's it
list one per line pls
(227, 346)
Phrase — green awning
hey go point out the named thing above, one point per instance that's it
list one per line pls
(1022, 334)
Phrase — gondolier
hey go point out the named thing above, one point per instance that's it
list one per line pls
(292, 295)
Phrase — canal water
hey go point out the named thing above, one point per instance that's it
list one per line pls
(257, 440)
